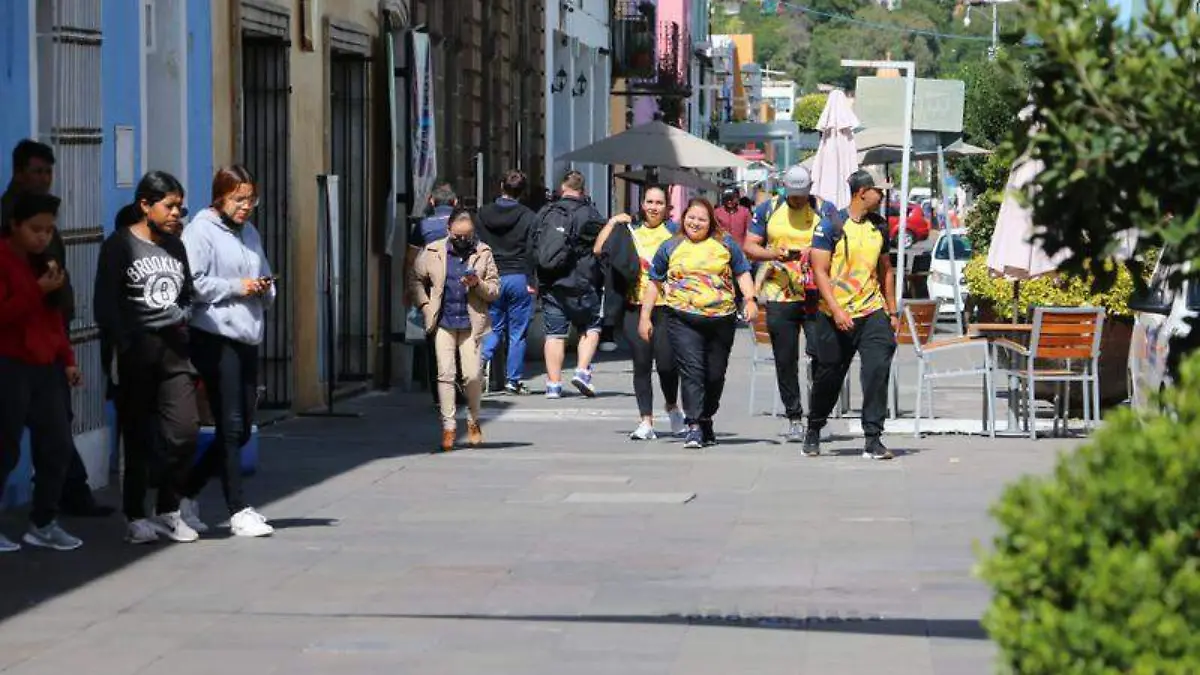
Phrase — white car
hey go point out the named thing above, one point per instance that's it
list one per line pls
(1158, 317)
(941, 278)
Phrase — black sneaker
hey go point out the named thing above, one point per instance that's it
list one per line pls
(707, 436)
(693, 440)
(516, 389)
(875, 449)
(812, 443)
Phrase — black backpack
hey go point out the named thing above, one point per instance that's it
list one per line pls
(561, 239)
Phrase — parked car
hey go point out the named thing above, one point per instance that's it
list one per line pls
(1158, 317)
(942, 269)
(917, 226)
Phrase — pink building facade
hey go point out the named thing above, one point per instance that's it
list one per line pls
(674, 90)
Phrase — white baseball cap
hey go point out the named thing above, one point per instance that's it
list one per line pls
(797, 182)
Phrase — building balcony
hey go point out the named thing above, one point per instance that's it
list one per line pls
(651, 56)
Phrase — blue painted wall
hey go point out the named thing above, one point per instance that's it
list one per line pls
(200, 103)
(121, 84)
(14, 80)
(15, 124)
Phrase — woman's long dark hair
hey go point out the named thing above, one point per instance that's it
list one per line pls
(155, 186)
(152, 189)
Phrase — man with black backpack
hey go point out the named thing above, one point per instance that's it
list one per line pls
(569, 282)
(779, 240)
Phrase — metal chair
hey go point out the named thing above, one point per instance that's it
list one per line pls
(1060, 334)
(762, 356)
(920, 319)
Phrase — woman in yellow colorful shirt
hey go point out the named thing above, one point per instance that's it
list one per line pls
(695, 273)
(640, 239)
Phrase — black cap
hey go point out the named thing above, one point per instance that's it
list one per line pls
(866, 180)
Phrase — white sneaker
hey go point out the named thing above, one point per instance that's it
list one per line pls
(140, 531)
(190, 510)
(250, 523)
(52, 536)
(171, 526)
(678, 424)
(644, 432)
(8, 545)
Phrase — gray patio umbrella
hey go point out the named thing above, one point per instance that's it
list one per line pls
(659, 145)
(667, 176)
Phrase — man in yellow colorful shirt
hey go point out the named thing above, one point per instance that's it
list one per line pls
(853, 273)
(779, 240)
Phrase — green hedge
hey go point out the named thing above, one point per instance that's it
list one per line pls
(1046, 291)
(1096, 569)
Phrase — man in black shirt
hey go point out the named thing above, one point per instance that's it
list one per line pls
(33, 173)
(507, 227)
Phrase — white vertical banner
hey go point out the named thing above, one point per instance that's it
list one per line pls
(329, 272)
(424, 141)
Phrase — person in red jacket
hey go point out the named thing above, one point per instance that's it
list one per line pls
(33, 346)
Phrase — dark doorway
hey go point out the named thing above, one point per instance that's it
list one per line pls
(350, 136)
(265, 149)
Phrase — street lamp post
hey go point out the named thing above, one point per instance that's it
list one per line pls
(910, 87)
(995, 48)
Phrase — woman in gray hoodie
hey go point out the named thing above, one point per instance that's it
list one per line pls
(233, 288)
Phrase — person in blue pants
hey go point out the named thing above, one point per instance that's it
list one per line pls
(507, 226)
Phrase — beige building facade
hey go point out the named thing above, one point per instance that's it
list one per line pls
(294, 97)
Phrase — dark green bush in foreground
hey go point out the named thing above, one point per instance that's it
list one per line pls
(1097, 568)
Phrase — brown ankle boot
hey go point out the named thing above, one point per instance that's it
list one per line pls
(448, 438)
(474, 433)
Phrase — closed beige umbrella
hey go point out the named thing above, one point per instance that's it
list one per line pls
(836, 156)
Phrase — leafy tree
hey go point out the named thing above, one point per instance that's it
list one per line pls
(1116, 118)
(995, 94)
(808, 108)
(835, 40)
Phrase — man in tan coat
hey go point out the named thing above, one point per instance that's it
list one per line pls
(452, 282)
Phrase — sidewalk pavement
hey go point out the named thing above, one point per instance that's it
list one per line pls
(559, 547)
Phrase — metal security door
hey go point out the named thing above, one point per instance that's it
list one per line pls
(266, 140)
(70, 118)
(350, 108)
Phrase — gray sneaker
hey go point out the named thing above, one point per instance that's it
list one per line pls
(172, 526)
(52, 536)
(8, 545)
(795, 432)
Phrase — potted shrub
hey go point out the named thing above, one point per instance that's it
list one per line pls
(1096, 568)
(994, 302)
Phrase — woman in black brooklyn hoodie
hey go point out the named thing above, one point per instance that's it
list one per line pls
(142, 296)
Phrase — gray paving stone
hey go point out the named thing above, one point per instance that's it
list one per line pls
(389, 559)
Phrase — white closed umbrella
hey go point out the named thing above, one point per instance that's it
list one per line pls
(1012, 252)
(836, 156)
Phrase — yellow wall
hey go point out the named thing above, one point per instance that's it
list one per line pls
(310, 156)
